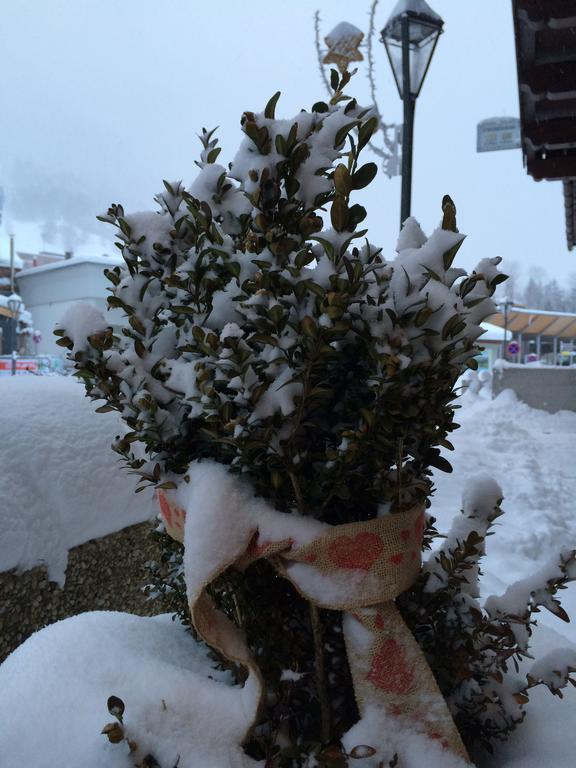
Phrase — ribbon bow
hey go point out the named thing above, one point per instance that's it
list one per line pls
(357, 568)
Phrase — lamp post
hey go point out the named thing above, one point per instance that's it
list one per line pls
(14, 304)
(410, 37)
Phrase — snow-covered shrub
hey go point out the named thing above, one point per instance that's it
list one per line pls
(267, 333)
(284, 346)
(474, 646)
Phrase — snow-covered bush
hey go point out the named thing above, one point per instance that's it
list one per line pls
(284, 346)
(268, 334)
(475, 646)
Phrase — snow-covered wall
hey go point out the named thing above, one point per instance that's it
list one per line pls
(48, 291)
(550, 389)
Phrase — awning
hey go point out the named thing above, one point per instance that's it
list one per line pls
(537, 322)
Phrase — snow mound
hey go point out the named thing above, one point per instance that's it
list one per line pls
(60, 483)
(54, 689)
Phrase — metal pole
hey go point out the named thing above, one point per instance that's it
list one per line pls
(408, 129)
(555, 349)
(14, 323)
(505, 350)
(11, 263)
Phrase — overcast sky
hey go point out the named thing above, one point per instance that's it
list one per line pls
(102, 99)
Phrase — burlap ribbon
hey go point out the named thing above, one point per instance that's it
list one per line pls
(359, 568)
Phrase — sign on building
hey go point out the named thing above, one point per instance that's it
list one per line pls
(498, 133)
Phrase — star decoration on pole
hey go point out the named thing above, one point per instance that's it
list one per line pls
(343, 44)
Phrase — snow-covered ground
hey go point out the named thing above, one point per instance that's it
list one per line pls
(60, 483)
(53, 689)
(531, 455)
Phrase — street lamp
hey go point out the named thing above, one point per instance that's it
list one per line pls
(410, 37)
(14, 305)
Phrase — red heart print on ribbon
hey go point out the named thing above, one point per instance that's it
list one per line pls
(390, 670)
(356, 552)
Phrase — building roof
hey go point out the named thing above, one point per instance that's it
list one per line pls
(5, 259)
(537, 322)
(545, 34)
(105, 261)
(492, 334)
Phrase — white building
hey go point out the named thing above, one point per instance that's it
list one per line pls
(49, 290)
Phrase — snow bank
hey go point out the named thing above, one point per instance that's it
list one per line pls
(60, 482)
(530, 453)
(54, 689)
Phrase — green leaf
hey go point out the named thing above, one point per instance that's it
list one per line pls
(213, 154)
(340, 137)
(271, 106)
(280, 144)
(498, 279)
(308, 326)
(435, 460)
(351, 106)
(339, 214)
(365, 132)
(364, 176)
(112, 276)
(334, 79)
(342, 179)
(262, 338)
(183, 310)
(292, 136)
(421, 316)
(292, 186)
(356, 214)
(320, 107)
(326, 244)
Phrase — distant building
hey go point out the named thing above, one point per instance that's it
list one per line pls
(49, 290)
(538, 335)
(5, 270)
(42, 258)
(491, 341)
(6, 338)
